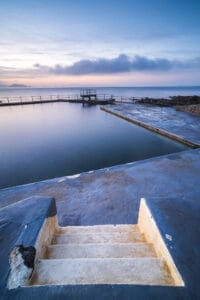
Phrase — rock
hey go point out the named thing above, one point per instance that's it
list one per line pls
(22, 266)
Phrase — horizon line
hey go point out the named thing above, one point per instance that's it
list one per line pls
(98, 87)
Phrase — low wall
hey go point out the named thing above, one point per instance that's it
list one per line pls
(154, 129)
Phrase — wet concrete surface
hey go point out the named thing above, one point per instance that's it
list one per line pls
(179, 123)
(111, 196)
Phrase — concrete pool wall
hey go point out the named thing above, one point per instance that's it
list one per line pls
(161, 131)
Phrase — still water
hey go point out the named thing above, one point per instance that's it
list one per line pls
(44, 141)
(155, 92)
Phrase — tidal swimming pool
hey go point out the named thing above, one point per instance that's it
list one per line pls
(44, 141)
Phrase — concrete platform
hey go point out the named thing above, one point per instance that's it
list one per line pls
(181, 124)
(111, 196)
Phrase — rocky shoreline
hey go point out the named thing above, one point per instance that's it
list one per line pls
(189, 104)
(171, 101)
(192, 109)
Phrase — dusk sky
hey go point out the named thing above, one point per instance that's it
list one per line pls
(100, 43)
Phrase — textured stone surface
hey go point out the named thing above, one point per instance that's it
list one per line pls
(166, 118)
(94, 238)
(101, 250)
(21, 266)
(101, 254)
(102, 271)
(111, 196)
(98, 228)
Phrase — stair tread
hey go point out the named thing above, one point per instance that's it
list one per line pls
(100, 250)
(100, 237)
(98, 228)
(146, 271)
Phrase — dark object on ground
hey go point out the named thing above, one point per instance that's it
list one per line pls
(28, 254)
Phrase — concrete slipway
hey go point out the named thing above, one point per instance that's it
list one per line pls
(111, 196)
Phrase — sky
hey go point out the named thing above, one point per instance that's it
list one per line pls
(100, 43)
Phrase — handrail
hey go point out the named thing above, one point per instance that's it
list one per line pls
(59, 97)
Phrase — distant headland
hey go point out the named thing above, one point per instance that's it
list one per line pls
(14, 85)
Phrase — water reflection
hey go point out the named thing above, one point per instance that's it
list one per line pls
(51, 140)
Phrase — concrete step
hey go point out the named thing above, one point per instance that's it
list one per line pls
(100, 237)
(145, 271)
(97, 228)
(124, 250)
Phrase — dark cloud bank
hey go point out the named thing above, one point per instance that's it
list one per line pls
(120, 64)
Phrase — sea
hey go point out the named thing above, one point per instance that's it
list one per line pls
(155, 92)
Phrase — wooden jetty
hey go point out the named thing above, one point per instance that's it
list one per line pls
(86, 96)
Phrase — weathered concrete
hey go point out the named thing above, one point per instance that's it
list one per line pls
(111, 196)
(20, 226)
(108, 250)
(180, 124)
(148, 227)
(94, 238)
(178, 222)
(109, 254)
(99, 229)
(102, 271)
(154, 129)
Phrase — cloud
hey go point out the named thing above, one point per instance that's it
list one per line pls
(120, 64)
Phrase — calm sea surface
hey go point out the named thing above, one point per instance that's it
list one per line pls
(125, 92)
(44, 141)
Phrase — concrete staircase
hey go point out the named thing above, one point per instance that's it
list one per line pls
(102, 254)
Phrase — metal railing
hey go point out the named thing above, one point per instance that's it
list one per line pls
(53, 98)
(24, 99)
(123, 99)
